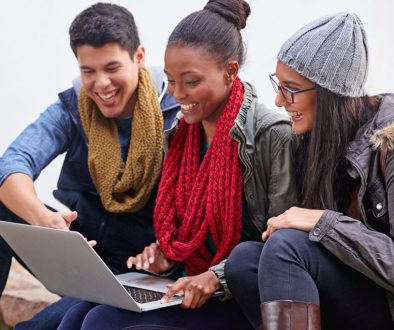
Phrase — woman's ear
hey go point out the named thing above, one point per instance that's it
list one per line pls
(232, 71)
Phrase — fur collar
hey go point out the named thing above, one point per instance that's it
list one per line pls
(383, 139)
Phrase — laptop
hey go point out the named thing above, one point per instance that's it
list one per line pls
(67, 265)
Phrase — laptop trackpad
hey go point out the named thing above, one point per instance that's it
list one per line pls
(144, 281)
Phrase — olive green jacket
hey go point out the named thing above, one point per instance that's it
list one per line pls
(264, 148)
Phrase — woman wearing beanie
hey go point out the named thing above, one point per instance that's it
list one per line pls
(227, 169)
(337, 251)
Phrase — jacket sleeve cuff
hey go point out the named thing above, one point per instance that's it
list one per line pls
(219, 272)
(325, 223)
(6, 171)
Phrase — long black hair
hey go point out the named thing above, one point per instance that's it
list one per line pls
(321, 155)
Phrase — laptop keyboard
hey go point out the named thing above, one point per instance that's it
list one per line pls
(143, 296)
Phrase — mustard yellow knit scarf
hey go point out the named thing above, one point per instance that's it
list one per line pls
(125, 187)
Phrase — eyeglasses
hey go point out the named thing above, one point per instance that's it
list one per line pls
(288, 94)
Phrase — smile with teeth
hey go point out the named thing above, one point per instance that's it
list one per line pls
(187, 107)
(295, 115)
(107, 96)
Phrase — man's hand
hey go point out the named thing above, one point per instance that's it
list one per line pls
(19, 195)
(58, 220)
(151, 260)
(197, 289)
(295, 218)
(61, 220)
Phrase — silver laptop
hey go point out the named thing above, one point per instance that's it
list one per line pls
(66, 264)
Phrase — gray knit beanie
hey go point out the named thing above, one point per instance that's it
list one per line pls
(332, 52)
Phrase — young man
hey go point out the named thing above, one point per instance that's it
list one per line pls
(110, 125)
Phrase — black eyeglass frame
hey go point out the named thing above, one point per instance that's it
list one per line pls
(279, 88)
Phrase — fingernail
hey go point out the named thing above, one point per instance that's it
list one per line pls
(163, 300)
(151, 260)
(128, 264)
(146, 265)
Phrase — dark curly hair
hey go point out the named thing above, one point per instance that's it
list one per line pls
(104, 23)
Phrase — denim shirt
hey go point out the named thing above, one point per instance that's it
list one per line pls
(57, 130)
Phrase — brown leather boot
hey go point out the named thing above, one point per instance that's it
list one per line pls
(289, 315)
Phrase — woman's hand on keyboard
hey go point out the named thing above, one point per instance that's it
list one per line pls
(197, 289)
(151, 260)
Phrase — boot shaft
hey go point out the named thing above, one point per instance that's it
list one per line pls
(289, 315)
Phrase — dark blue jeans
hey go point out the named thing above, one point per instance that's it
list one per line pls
(213, 315)
(118, 236)
(291, 267)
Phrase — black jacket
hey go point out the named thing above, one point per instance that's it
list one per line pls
(368, 245)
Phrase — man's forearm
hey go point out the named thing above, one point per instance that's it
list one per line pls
(18, 194)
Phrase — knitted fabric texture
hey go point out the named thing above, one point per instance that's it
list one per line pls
(197, 199)
(125, 187)
(332, 52)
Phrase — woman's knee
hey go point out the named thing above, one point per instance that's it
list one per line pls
(242, 260)
(242, 256)
(75, 316)
(286, 242)
(99, 317)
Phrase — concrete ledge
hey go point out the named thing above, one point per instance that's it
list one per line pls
(23, 297)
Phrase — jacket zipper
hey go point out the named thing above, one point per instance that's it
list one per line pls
(249, 173)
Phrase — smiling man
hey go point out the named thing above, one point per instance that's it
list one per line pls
(110, 125)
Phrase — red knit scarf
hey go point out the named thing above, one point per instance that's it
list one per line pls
(197, 198)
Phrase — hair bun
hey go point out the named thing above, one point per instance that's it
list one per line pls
(233, 11)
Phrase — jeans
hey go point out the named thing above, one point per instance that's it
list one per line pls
(118, 236)
(288, 266)
(213, 315)
(50, 317)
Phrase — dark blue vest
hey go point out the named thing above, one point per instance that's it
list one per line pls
(75, 182)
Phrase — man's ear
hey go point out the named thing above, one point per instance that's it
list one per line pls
(139, 56)
(232, 71)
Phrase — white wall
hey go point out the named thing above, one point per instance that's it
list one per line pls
(36, 62)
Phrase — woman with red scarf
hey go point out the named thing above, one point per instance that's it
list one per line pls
(227, 169)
